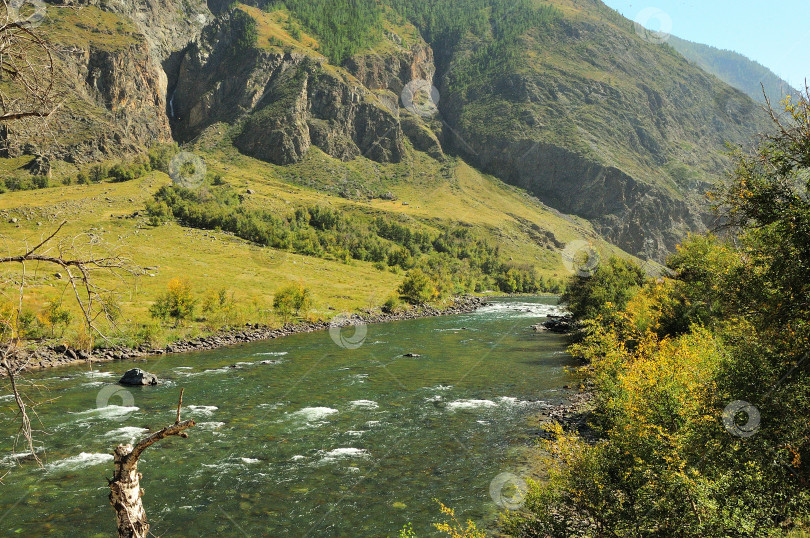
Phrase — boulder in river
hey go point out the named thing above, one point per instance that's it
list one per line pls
(136, 376)
(412, 355)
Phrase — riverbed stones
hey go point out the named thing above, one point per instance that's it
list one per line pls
(55, 356)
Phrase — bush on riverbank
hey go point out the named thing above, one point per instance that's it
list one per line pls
(702, 392)
(293, 299)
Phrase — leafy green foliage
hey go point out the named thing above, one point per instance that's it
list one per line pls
(342, 28)
(245, 30)
(500, 24)
(418, 287)
(673, 367)
(293, 299)
(177, 303)
(24, 183)
(610, 287)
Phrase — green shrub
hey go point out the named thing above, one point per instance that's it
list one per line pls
(391, 304)
(177, 303)
(161, 155)
(98, 173)
(294, 299)
(610, 287)
(418, 287)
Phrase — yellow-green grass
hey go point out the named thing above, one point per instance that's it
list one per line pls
(273, 25)
(437, 195)
(85, 25)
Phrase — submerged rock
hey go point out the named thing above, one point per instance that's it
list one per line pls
(136, 376)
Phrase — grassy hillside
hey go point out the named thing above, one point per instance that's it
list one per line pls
(425, 195)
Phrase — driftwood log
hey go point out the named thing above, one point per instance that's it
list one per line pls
(125, 486)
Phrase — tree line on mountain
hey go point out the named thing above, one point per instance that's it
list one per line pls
(344, 28)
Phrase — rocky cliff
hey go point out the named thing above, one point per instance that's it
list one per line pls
(283, 101)
(111, 95)
(599, 122)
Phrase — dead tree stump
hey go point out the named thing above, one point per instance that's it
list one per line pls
(125, 486)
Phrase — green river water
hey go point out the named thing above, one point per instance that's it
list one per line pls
(303, 437)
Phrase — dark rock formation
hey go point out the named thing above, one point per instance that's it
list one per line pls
(136, 377)
(282, 102)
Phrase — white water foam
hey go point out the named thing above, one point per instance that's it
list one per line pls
(249, 460)
(202, 410)
(14, 459)
(313, 416)
(97, 373)
(80, 461)
(108, 411)
(365, 404)
(222, 370)
(297, 457)
(355, 433)
(341, 453)
(272, 354)
(523, 310)
(127, 433)
(210, 425)
(470, 404)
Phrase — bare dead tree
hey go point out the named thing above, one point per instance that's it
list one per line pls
(81, 269)
(125, 486)
(27, 67)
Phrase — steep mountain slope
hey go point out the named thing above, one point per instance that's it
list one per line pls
(110, 94)
(561, 98)
(735, 70)
(592, 118)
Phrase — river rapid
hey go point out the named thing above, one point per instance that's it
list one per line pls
(321, 434)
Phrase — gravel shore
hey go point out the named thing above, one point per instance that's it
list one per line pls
(61, 355)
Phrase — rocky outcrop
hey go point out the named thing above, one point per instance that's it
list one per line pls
(282, 102)
(639, 217)
(116, 106)
(597, 128)
(394, 70)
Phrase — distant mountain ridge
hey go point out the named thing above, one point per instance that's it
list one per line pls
(735, 69)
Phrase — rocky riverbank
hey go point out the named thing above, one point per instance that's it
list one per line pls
(573, 413)
(61, 355)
